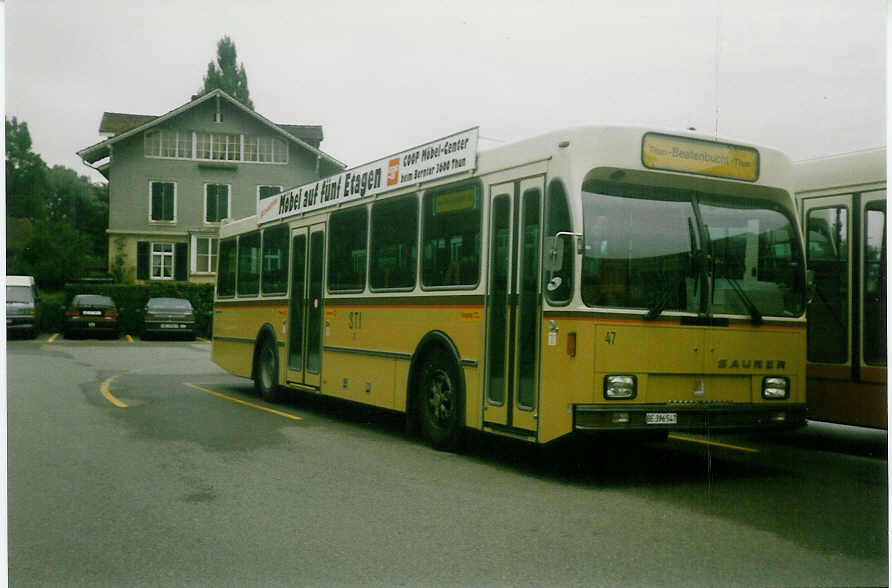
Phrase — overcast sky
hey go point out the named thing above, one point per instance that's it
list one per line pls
(806, 76)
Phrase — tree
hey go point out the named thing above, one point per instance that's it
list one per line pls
(226, 76)
(57, 219)
(77, 201)
(57, 253)
(27, 182)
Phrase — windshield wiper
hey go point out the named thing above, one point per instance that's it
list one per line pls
(754, 312)
(656, 310)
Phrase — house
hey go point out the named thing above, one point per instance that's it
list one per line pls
(173, 178)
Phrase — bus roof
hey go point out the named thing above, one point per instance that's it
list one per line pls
(858, 169)
(625, 151)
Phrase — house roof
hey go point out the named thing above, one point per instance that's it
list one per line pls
(123, 125)
(115, 123)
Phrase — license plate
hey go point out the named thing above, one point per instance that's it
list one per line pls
(661, 418)
(92, 313)
(169, 326)
(91, 324)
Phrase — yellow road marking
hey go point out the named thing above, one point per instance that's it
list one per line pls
(53, 337)
(129, 339)
(251, 404)
(107, 393)
(714, 443)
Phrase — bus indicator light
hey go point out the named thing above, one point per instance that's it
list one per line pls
(571, 344)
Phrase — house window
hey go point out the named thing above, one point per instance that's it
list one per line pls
(184, 145)
(203, 145)
(153, 144)
(169, 144)
(267, 191)
(250, 148)
(216, 202)
(162, 261)
(163, 201)
(205, 255)
(271, 150)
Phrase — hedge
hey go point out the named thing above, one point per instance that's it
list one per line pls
(131, 300)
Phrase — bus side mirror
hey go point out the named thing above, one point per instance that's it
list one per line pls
(811, 288)
(554, 254)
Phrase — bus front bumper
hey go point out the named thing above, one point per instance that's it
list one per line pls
(649, 417)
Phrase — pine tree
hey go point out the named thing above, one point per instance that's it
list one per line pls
(225, 75)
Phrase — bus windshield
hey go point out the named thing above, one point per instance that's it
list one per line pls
(668, 250)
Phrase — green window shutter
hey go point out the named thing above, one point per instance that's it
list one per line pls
(181, 262)
(211, 203)
(168, 202)
(142, 260)
(223, 205)
(157, 201)
(162, 201)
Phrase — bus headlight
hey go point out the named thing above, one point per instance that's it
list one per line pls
(620, 387)
(775, 388)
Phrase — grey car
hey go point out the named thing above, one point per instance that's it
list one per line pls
(168, 317)
(22, 306)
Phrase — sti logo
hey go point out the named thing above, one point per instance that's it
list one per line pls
(393, 171)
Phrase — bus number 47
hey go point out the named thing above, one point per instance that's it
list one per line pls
(610, 338)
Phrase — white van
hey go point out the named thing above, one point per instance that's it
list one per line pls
(22, 306)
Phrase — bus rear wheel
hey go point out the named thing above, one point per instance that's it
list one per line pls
(440, 402)
(266, 372)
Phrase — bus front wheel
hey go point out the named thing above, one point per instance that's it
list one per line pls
(440, 401)
(266, 371)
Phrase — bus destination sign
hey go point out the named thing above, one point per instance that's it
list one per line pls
(441, 158)
(698, 156)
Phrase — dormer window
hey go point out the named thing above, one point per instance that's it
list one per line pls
(215, 146)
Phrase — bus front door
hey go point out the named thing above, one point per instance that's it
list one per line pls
(513, 305)
(305, 308)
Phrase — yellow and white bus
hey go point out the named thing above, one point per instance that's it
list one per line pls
(595, 279)
(843, 206)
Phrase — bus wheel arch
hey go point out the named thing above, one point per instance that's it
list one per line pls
(265, 365)
(435, 401)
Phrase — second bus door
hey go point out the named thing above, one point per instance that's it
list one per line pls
(513, 305)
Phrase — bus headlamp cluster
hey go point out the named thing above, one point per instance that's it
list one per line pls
(620, 387)
(775, 388)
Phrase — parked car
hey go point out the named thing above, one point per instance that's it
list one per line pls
(22, 306)
(168, 317)
(92, 313)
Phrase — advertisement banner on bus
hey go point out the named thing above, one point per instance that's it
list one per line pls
(444, 157)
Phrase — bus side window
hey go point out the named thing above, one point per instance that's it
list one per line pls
(394, 250)
(451, 237)
(557, 220)
(248, 281)
(347, 250)
(226, 269)
(274, 278)
(874, 283)
(828, 314)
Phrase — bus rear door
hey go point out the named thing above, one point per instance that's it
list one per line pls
(306, 312)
